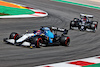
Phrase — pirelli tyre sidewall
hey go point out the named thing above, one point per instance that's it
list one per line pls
(36, 40)
(64, 40)
(14, 36)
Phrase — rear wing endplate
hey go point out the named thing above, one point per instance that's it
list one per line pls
(65, 31)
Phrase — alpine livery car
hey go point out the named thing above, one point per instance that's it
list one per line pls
(84, 23)
(44, 37)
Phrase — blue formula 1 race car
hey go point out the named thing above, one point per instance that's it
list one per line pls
(44, 37)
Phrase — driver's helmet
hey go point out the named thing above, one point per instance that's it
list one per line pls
(85, 18)
(46, 29)
(38, 32)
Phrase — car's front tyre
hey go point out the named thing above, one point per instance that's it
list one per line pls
(36, 40)
(14, 36)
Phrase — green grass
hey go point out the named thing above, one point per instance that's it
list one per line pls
(4, 10)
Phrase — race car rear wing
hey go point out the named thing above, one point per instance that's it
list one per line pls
(65, 31)
(89, 16)
(56, 29)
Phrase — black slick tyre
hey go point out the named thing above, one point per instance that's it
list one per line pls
(14, 36)
(36, 40)
(65, 41)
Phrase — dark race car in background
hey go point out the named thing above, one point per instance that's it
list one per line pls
(84, 23)
(44, 37)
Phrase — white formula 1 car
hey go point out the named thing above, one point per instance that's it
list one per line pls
(24, 40)
(84, 23)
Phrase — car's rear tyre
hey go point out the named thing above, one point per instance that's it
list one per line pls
(64, 40)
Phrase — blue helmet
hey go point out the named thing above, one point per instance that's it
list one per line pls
(45, 29)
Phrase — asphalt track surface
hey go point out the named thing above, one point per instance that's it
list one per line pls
(83, 44)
